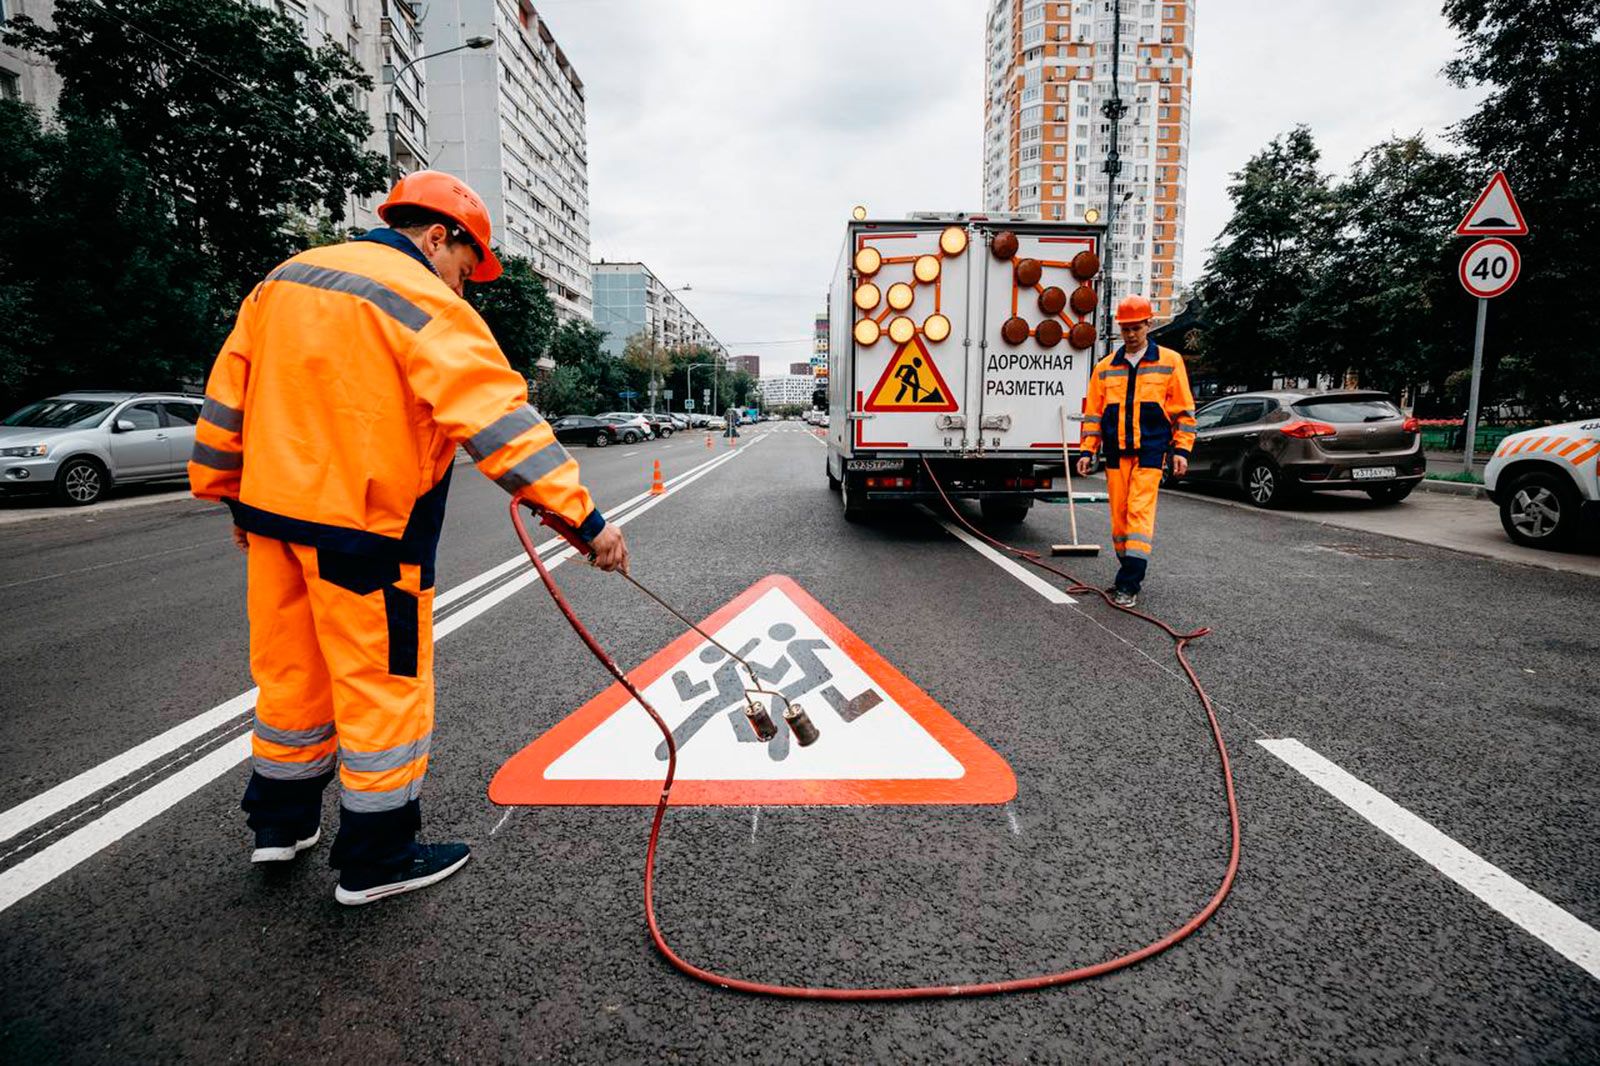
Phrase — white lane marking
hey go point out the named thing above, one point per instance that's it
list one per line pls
(634, 452)
(86, 784)
(38, 870)
(76, 789)
(1022, 574)
(119, 562)
(1579, 942)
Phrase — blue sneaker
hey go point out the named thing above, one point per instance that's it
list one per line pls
(281, 845)
(430, 864)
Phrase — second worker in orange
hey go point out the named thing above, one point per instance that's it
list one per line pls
(1139, 409)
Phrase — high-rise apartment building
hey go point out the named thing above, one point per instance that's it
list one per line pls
(803, 369)
(509, 120)
(29, 76)
(750, 364)
(1047, 137)
(780, 390)
(629, 299)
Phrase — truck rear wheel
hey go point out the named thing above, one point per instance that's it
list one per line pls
(1004, 511)
(833, 482)
(850, 493)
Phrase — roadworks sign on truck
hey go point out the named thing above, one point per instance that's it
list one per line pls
(960, 340)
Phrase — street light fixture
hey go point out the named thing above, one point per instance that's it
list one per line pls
(393, 78)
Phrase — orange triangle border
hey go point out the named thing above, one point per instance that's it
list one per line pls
(988, 778)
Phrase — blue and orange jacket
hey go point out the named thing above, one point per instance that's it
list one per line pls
(1140, 411)
(334, 409)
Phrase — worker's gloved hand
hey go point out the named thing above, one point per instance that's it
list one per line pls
(1084, 463)
(610, 550)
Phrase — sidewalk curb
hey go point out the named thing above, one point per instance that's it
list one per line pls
(1454, 488)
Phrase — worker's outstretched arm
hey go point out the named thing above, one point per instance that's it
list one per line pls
(456, 367)
(217, 462)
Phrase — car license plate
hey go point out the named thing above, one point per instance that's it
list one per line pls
(1372, 473)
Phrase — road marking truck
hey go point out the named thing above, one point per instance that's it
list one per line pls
(959, 340)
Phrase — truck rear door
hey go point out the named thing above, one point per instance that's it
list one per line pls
(910, 327)
(1031, 361)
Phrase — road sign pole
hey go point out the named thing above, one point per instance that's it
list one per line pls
(1477, 372)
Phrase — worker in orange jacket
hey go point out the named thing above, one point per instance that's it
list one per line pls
(1139, 409)
(330, 426)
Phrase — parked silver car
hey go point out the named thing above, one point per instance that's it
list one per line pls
(79, 444)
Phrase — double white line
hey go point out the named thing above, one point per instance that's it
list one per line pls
(38, 870)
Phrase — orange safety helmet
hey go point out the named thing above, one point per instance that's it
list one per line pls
(1134, 309)
(451, 197)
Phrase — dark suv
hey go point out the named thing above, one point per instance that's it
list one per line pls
(1274, 445)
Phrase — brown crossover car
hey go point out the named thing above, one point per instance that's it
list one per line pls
(1275, 445)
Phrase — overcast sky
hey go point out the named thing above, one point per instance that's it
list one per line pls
(728, 139)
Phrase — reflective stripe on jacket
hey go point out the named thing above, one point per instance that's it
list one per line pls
(1140, 411)
(334, 409)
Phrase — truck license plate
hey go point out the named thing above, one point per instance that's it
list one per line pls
(1372, 473)
(874, 464)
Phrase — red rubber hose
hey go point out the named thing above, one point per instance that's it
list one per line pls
(1020, 984)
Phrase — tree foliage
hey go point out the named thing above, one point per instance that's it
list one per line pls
(229, 111)
(1265, 266)
(518, 311)
(1540, 60)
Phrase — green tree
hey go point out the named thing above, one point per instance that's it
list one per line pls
(1264, 267)
(96, 288)
(1384, 303)
(1540, 60)
(228, 111)
(519, 313)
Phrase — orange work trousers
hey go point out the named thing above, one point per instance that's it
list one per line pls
(341, 646)
(1132, 490)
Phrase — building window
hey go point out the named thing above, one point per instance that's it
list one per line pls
(10, 86)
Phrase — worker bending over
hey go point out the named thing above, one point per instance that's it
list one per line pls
(1139, 409)
(330, 426)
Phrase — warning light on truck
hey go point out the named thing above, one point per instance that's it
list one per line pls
(867, 296)
(868, 260)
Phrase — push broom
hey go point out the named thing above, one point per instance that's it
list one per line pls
(1072, 507)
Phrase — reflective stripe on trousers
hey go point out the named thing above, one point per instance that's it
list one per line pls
(1132, 490)
(344, 658)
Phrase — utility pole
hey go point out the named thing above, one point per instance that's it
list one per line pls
(1113, 109)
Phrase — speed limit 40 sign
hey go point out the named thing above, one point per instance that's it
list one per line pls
(1489, 267)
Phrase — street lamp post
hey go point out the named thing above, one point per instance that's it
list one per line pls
(393, 77)
(1111, 222)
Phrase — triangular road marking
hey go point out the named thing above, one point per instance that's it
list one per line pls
(883, 740)
(1495, 212)
(911, 382)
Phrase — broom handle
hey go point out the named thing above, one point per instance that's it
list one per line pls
(1066, 462)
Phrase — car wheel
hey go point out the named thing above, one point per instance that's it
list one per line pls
(80, 482)
(1540, 510)
(665, 433)
(833, 482)
(1264, 484)
(630, 437)
(1003, 511)
(1390, 493)
(602, 440)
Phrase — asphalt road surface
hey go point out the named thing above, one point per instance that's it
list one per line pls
(1414, 734)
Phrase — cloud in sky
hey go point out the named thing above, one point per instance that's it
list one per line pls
(728, 139)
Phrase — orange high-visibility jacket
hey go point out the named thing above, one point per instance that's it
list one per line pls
(334, 409)
(1140, 412)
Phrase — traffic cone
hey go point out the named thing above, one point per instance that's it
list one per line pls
(656, 487)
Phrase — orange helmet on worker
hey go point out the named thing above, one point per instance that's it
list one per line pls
(440, 193)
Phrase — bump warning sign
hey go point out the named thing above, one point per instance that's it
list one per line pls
(911, 382)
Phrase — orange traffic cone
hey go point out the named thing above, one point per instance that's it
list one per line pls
(656, 487)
